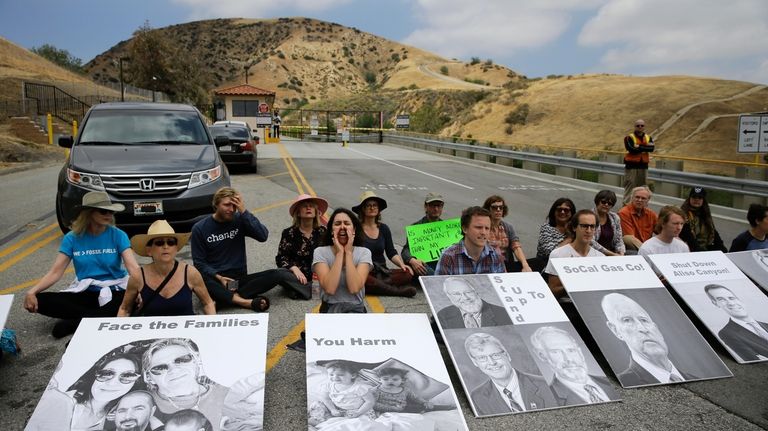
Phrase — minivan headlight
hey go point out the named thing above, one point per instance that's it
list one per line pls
(204, 177)
(86, 180)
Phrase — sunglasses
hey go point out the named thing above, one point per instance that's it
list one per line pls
(563, 210)
(161, 242)
(498, 207)
(181, 361)
(124, 377)
(611, 203)
(102, 211)
(640, 125)
(586, 226)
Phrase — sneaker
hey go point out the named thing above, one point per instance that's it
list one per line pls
(64, 327)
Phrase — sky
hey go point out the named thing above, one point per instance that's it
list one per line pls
(712, 38)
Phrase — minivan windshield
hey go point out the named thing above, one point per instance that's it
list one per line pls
(129, 127)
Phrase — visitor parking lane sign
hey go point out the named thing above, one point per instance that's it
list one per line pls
(751, 139)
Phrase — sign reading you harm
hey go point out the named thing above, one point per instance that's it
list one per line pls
(427, 240)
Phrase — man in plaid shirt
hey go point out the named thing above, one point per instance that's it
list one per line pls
(471, 255)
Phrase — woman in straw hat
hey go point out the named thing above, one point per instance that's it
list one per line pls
(378, 239)
(98, 250)
(299, 241)
(166, 286)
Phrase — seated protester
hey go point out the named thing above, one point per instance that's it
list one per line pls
(100, 278)
(166, 286)
(583, 226)
(503, 237)
(378, 239)
(554, 232)
(433, 209)
(473, 254)
(699, 231)
(218, 251)
(298, 242)
(669, 226)
(609, 238)
(637, 220)
(756, 237)
(343, 266)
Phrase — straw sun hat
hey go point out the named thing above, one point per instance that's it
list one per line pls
(158, 229)
(322, 204)
(366, 196)
(100, 200)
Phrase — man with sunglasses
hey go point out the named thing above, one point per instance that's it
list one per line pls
(433, 209)
(583, 226)
(638, 144)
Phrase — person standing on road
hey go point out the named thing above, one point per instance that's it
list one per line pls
(433, 209)
(503, 236)
(756, 237)
(298, 242)
(98, 251)
(378, 239)
(473, 254)
(638, 144)
(637, 220)
(218, 252)
(276, 121)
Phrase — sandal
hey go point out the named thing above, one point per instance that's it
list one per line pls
(260, 304)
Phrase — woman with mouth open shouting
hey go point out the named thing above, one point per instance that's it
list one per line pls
(343, 266)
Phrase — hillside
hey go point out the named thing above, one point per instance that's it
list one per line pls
(307, 60)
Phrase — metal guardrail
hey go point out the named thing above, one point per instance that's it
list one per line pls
(733, 185)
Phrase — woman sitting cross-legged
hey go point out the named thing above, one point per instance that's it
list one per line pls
(166, 285)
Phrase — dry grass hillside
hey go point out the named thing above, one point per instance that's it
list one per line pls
(307, 60)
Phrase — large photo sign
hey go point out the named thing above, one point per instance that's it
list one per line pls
(144, 373)
(754, 264)
(377, 372)
(642, 332)
(5, 308)
(728, 304)
(512, 344)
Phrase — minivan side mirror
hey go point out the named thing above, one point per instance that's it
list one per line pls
(66, 141)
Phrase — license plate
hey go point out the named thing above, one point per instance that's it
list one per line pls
(227, 148)
(147, 208)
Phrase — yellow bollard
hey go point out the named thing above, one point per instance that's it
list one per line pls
(74, 128)
(49, 120)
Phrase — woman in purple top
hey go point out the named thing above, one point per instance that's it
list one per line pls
(608, 236)
(378, 239)
(166, 285)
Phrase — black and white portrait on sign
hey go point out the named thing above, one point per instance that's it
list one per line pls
(466, 302)
(754, 264)
(377, 372)
(149, 383)
(646, 337)
(573, 374)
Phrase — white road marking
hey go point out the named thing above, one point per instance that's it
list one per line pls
(413, 169)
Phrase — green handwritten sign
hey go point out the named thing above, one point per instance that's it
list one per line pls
(427, 240)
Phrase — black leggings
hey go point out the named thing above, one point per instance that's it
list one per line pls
(68, 305)
(253, 285)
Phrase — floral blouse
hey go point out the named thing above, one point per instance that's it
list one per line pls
(296, 249)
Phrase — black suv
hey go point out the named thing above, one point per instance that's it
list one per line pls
(157, 159)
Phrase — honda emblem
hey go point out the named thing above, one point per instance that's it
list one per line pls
(146, 184)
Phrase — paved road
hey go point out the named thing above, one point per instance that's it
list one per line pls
(402, 177)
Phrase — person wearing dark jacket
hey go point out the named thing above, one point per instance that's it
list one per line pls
(699, 230)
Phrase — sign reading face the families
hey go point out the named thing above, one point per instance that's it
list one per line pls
(643, 333)
(5, 308)
(753, 263)
(128, 373)
(427, 240)
(377, 372)
(728, 304)
(513, 346)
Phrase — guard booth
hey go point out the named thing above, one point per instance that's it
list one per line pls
(246, 103)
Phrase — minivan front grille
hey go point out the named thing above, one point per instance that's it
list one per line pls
(146, 184)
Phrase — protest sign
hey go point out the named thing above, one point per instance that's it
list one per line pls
(427, 240)
(643, 333)
(377, 372)
(505, 328)
(183, 370)
(754, 264)
(723, 298)
(5, 308)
